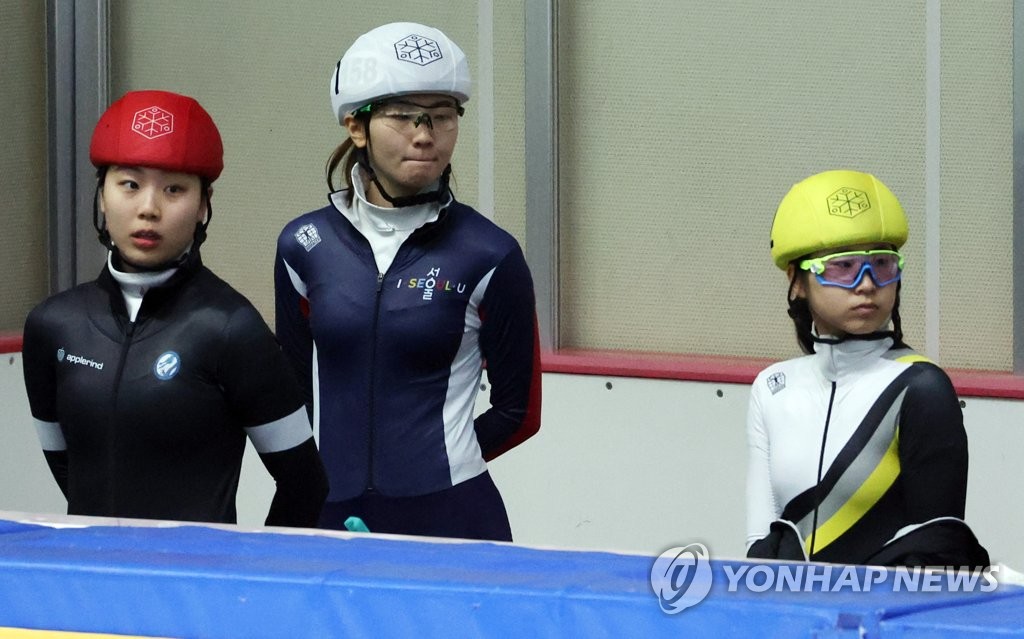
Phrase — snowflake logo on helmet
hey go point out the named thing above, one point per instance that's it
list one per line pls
(418, 50)
(153, 122)
(847, 202)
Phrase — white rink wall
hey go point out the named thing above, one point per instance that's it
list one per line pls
(621, 464)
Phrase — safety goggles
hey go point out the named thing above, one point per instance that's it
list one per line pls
(847, 269)
(405, 117)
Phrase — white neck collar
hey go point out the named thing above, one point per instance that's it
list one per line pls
(142, 280)
(849, 356)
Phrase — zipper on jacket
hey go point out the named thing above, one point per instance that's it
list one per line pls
(373, 384)
(821, 466)
(371, 437)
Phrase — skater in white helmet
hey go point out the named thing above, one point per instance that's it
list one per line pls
(392, 298)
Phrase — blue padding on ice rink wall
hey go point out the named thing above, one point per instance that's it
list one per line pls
(193, 581)
(998, 617)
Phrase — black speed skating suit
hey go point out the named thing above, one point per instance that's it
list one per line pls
(148, 419)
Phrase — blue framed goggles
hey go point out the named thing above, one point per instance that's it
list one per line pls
(847, 269)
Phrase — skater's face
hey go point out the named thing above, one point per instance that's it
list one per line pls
(151, 214)
(851, 290)
(410, 143)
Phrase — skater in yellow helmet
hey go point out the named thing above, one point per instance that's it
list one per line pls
(857, 450)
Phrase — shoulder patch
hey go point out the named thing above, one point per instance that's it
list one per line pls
(308, 236)
(776, 382)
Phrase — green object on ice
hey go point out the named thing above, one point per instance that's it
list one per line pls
(355, 524)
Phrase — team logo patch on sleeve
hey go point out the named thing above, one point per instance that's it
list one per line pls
(308, 236)
(167, 366)
(776, 382)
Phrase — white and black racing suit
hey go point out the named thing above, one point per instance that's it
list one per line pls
(849, 446)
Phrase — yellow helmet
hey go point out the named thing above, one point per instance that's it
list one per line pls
(833, 209)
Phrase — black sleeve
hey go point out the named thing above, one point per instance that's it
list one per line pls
(944, 543)
(38, 358)
(292, 328)
(257, 381)
(261, 389)
(301, 485)
(782, 542)
(932, 447)
(41, 386)
(58, 462)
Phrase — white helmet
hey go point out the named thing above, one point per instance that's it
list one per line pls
(398, 58)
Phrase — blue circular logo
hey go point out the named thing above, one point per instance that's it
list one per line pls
(167, 366)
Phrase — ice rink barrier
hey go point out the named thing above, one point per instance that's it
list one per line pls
(198, 581)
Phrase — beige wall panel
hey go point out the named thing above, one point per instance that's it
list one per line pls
(977, 185)
(262, 69)
(683, 125)
(23, 248)
(509, 122)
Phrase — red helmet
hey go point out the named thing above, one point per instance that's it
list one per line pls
(160, 130)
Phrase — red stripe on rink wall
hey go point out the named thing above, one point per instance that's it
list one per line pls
(737, 370)
(10, 342)
(699, 368)
(695, 368)
(987, 384)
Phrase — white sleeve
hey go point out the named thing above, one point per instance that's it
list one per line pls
(761, 507)
(282, 434)
(50, 435)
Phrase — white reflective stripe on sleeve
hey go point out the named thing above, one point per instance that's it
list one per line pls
(282, 434)
(464, 458)
(316, 398)
(300, 286)
(50, 435)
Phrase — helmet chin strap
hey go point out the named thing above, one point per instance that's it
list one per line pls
(865, 337)
(118, 259)
(438, 195)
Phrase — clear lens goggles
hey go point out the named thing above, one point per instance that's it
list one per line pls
(847, 269)
(405, 117)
